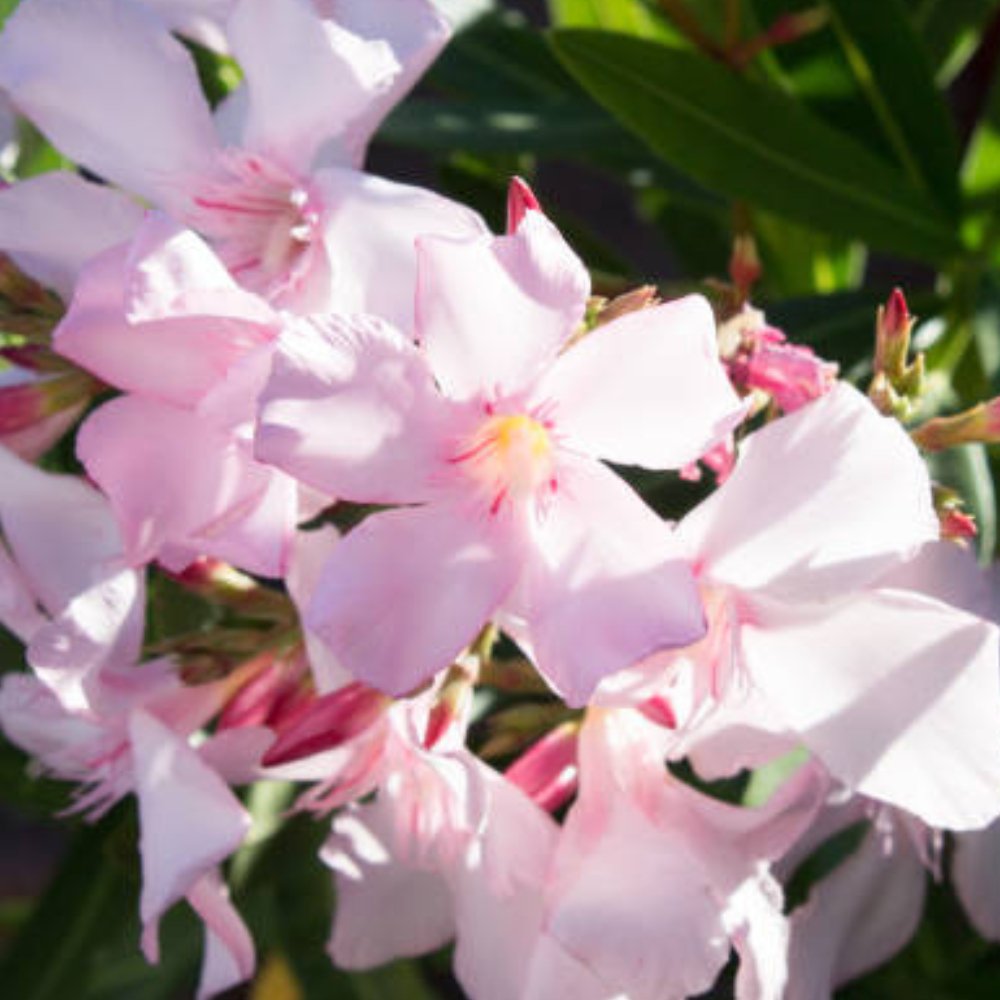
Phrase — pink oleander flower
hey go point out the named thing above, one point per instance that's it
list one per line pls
(815, 638)
(490, 429)
(90, 715)
(867, 909)
(163, 320)
(448, 849)
(271, 179)
(653, 882)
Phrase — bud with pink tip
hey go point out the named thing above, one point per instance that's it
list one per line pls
(979, 424)
(548, 772)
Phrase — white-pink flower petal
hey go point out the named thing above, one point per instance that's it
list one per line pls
(52, 224)
(493, 312)
(878, 686)
(172, 784)
(647, 389)
(407, 590)
(821, 502)
(175, 480)
(307, 78)
(352, 410)
(369, 229)
(112, 89)
(603, 587)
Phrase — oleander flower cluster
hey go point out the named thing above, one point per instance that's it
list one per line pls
(415, 467)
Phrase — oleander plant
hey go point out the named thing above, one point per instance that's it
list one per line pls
(498, 500)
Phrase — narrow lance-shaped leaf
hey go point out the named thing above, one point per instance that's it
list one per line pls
(893, 69)
(631, 17)
(752, 142)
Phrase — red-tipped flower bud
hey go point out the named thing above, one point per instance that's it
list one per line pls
(547, 771)
(520, 200)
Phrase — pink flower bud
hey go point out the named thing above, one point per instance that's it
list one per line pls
(331, 720)
(257, 702)
(547, 771)
(32, 400)
(892, 337)
(791, 374)
(957, 525)
(979, 424)
(520, 200)
(744, 264)
(659, 710)
(453, 698)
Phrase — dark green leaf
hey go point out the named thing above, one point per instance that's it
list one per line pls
(755, 143)
(950, 30)
(894, 71)
(52, 956)
(555, 127)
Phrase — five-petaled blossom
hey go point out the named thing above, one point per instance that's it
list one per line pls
(486, 434)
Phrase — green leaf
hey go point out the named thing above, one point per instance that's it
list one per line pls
(800, 261)
(630, 17)
(7, 7)
(950, 31)
(754, 143)
(36, 155)
(499, 54)
(551, 127)
(53, 955)
(893, 69)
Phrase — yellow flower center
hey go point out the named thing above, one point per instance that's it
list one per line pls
(510, 456)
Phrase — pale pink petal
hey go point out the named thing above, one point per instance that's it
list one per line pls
(855, 919)
(493, 312)
(647, 389)
(51, 225)
(65, 743)
(352, 410)
(60, 531)
(99, 628)
(310, 551)
(307, 79)
(499, 891)
(949, 573)
(603, 587)
(821, 502)
(407, 590)
(743, 732)
(18, 610)
(759, 932)
(554, 972)
(653, 878)
(256, 536)
(172, 272)
(162, 317)
(172, 785)
(414, 31)
(974, 874)
(877, 687)
(633, 900)
(370, 228)
(229, 952)
(235, 754)
(386, 907)
(106, 82)
(175, 480)
(200, 20)
(33, 441)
